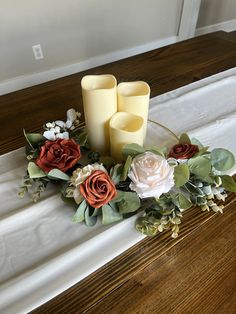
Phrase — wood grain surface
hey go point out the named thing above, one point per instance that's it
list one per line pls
(194, 273)
(162, 275)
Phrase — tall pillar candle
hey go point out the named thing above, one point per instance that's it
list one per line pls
(125, 128)
(100, 103)
(134, 97)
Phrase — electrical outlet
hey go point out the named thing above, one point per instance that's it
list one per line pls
(38, 52)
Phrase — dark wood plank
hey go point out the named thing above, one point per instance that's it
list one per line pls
(229, 36)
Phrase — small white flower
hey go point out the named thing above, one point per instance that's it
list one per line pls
(64, 135)
(72, 119)
(71, 115)
(56, 129)
(50, 135)
(68, 124)
(151, 175)
(50, 125)
(60, 123)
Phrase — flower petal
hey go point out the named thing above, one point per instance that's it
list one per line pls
(50, 135)
(64, 135)
(60, 123)
(71, 115)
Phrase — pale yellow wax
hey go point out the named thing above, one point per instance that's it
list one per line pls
(100, 103)
(125, 128)
(134, 97)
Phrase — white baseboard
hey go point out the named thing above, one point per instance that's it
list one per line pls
(24, 81)
(227, 26)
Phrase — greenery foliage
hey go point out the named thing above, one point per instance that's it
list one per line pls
(199, 180)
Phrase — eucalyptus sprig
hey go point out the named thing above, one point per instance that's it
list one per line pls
(199, 180)
(156, 183)
(34, 187)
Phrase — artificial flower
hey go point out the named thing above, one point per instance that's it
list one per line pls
(52, 134)
(98, 189)
(72, 118)
(80, 174)
(60, 154)
(183, 151)
(151, 175)
(59, 129)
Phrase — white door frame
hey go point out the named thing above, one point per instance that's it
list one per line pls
(188, 19)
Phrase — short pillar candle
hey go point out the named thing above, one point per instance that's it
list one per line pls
(125, 128)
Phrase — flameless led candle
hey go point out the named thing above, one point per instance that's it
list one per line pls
(134, 97)
(125, 128)
(100, 103)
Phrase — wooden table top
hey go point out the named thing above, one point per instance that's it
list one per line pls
(191, 274)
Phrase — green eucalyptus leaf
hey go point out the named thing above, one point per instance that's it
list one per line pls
(195, 141)
(166, 212)
(90, 220)
(228, 183)
(116, 173)
(206, 178)
(34, 139)
(146, 227)
(184, 139)
(95, 211)
(132, 150)
(118, 198)
(202, 151)
(107, 161)
(69, 201)
(184, 202)
(110, 215)
(129, 203)
(199, 166)
(58, 175)
(64, 187)
(126, 168)
(158, 150)
(181, 175)
(222, 159)
(82, 138)
(79, 216)
(34, 171)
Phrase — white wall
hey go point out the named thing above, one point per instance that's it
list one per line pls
(216, 11)
(72, 31)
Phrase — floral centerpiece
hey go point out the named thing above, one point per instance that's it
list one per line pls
(155, 183)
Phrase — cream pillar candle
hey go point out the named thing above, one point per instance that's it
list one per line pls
(134, 97)
(125, 128)
(100, 103)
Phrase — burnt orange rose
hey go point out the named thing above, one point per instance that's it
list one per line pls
(60, 154)
(183, 151)
(98, 189)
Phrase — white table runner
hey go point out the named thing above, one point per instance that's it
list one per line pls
(42, 252)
